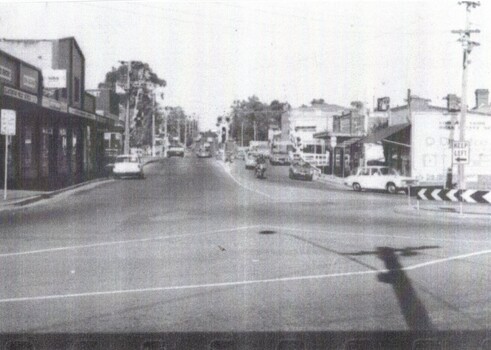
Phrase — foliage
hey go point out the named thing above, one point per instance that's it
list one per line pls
(250, 113)
(142, 81)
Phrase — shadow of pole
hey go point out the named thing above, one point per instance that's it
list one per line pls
(412, 308)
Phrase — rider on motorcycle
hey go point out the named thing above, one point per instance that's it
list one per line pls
(260, 166)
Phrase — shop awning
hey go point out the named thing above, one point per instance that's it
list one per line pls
(382, 134)
(349, 142)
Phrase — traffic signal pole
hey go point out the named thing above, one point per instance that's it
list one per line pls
(126, 147)
(467, 46)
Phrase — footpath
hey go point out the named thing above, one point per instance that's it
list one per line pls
(19, 198)
(436, 209)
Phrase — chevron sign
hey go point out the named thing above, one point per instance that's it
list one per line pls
(468, 196)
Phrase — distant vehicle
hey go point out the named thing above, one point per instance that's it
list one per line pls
(377, 178)
(137, 151)
(203, 153)
(250, 160)
(128, 165)
(301, 170)
(279, 159)
(260, 147)
(280, 153)
(241, 153)
(175, 150)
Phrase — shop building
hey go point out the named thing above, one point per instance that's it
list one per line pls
(59, 137)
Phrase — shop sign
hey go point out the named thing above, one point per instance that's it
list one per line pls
(5, 73)
(82, 114)
(29, 79)
(54, 104)
(7, 122)
(54, 78)
(8, 91)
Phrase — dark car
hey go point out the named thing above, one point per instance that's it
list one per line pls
(301, 170)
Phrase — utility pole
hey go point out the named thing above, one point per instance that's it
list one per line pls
(185, 132)
(467, 45)
(126, 146)
(179, 130)
(242, 135)
(153, 124)
(255, 131)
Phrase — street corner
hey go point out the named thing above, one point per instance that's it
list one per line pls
(443, 211)
(24, 199)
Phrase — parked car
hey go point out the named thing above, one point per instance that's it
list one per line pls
(251, 160)
(128, 165)
(301, 170)
(377, 178)
(175, 150)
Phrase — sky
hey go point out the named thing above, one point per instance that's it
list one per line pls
(214, 52)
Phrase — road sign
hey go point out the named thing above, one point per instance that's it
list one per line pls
(460, 152)
(7, 123)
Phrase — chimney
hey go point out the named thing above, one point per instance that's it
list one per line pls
(453, 103)
(482, 97)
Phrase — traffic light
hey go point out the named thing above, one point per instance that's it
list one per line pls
(224, 134)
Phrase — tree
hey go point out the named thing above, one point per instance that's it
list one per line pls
(251, 114)
(142, 82)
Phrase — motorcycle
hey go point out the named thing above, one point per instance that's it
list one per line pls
(260, 170)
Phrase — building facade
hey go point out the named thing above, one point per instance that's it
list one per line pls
(59, 137)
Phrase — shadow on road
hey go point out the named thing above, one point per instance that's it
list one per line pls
(412, 308)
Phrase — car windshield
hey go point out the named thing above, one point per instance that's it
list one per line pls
(198, 174)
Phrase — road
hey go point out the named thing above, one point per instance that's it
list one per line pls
(198, 246)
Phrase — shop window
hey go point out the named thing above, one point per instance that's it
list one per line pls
(76, 89)
(28, 167)
(62, 151)
(74, 151)
(46, 149)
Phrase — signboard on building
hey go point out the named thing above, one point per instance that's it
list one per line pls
(8, 91)
(432, 137)
(54, 78)
(460, 152)
(54, 104)
(7, 122)
(29, 79)
(8, 70)
(82, 114)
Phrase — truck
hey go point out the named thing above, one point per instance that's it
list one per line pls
(260, 148)
(280, 151)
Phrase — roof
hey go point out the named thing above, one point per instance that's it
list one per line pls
(349, 142)
(384, 133)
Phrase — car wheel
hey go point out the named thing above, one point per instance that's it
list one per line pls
(356, 187)
(391, 188)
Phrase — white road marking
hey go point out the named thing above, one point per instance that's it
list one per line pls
(242, 185)
(381, 235)
(240, 283)
(129, 241)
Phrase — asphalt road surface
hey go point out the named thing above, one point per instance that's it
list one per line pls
(198, 246)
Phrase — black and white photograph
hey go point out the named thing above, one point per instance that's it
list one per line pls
(218, 175)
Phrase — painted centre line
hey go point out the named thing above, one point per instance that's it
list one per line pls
(129, 241)
(228, 171)
(240, 283)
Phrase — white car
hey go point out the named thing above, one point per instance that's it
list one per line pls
(176, 150)
(128, 165)
(250, 160)
(377, 178)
